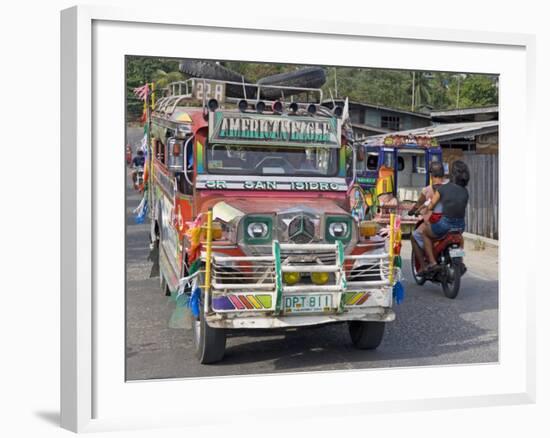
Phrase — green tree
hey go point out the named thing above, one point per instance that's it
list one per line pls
(440, 94)
(163, 78)
(141, 70)
(384, 87)
(478, 90)
(421, 86)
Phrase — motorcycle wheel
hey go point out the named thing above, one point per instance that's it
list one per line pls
(419, 279)
(450, 281)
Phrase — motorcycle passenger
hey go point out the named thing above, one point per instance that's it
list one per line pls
(137, 163)
(453, 198)
(437, 173)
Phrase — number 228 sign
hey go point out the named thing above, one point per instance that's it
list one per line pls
(209, 90)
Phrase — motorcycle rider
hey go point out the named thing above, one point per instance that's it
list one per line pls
(437, 173)
(137, 163)
(453, 198)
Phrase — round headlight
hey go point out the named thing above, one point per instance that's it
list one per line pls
(338, 229)
(257, 230)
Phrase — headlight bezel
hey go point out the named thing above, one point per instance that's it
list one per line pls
(329, 223)
(248, 221)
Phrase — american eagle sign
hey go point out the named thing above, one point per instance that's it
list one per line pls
(279, 130)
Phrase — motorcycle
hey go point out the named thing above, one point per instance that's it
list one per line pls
(449, 255)
(138, 183)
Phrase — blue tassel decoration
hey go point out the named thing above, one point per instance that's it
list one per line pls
(398, 292)
(194, 302)
(142, 213)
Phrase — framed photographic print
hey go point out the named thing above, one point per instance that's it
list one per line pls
(329, 220)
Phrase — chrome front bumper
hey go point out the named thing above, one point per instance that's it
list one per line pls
(249, 291)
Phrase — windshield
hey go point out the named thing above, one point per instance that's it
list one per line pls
(256, 160)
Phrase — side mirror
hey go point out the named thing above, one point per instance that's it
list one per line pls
(360, 154)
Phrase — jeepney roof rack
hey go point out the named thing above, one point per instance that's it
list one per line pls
(179, 92)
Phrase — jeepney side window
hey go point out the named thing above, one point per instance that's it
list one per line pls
(372, 161)
(388, 159)
(360, 160)
(185, 177)
(419, 163)
(400, 164)
(160, 151)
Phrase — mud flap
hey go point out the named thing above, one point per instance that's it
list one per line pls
(182, 317)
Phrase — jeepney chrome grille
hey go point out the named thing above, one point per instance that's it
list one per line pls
(249, 273)
(301, 257)
(301, 229)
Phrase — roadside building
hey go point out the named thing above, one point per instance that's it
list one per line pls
(368, 119)
(467, 130)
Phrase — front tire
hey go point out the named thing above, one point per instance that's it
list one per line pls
(366, 335)
(450, 283)
(209, 342)
(419, 279)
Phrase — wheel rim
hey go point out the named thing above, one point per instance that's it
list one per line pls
(197, 332)
(414, 271)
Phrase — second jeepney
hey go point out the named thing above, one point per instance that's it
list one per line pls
(250, 212)
(391, 171)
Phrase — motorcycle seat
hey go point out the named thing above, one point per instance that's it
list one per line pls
(452, 231)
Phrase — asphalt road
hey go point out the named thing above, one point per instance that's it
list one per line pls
(429, 329)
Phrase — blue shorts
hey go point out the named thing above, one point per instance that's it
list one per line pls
(445, 224)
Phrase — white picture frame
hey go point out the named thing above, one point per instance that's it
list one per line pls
(93, 396)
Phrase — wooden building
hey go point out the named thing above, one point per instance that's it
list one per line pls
(368, 119)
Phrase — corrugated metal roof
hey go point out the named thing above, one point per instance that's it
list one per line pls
(379, 107)
(465, 111)
(445, 131)
(371, 128)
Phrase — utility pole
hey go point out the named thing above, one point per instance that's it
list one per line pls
(413, 92)
(335, 84)
(457, 90)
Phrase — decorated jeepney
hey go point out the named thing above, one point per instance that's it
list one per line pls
(391, 170)
(250, 212)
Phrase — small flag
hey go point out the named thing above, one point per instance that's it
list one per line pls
(142, 92)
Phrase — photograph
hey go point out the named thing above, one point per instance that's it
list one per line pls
(285, 218)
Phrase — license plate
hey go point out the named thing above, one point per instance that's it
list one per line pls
(456, 252)
(307, 303)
